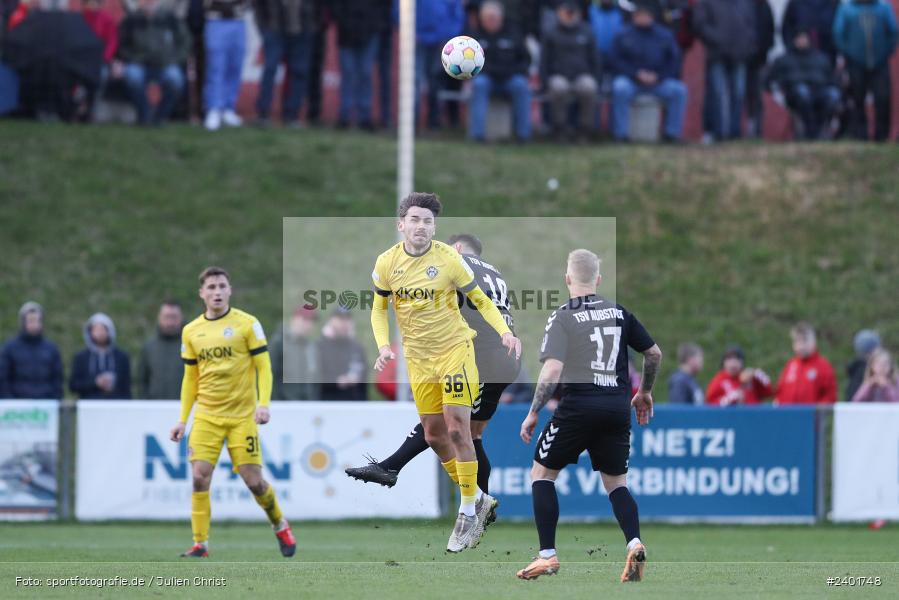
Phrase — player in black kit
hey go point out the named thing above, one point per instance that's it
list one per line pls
(497, 369)
(585, 349)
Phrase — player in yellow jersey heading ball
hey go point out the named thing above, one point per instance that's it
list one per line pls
(421, 275)
(228, 375)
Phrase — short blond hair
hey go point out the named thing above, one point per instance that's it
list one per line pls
(583, 266)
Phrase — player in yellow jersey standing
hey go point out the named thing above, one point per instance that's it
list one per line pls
(228, 375)
(421, 276)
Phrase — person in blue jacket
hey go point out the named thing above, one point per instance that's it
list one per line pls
(30, 364)
(101, 371)
(436, 22)
(646, 59)
(865, 33)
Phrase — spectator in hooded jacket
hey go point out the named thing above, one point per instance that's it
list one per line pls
(814, 17)
(160, 368)
(682, 386)
(736, 384)
(570, 69)
(153, 43)
(807, 378)
(865, 33)
(285, 27)
(646, 60)
(807, 79)
(865, 342)
(101, 371)
(505, 72)
(358, 27)
(881, 383)
(436, 21)
(30, 365)
(729, 32)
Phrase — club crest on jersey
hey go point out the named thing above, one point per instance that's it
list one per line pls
(431, 272)
(228, 332)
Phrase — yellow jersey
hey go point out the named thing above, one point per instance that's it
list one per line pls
(223, 350)
(423, 289)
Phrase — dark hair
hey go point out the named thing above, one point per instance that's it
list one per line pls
(171, 302)
(469, 240)
(421, 199)
(212, 272)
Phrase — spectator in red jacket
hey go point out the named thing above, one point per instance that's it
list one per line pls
(807, 378)
(103, 25)
(735, 384)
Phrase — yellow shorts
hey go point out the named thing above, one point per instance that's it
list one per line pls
(209, 433)
(448, 379)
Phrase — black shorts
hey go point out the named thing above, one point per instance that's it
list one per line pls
(605, 435)
(484, 406)
(496, 371)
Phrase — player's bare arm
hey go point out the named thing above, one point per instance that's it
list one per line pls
(385, 355)
(547, 382)
(642, 400)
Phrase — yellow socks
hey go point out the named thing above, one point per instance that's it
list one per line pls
(269, 504)
(200, 513)
(468, 485)
(451, 469)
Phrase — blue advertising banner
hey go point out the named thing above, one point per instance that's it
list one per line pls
(751, 464)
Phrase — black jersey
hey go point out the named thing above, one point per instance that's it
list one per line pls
(491, 282)
(590, 335)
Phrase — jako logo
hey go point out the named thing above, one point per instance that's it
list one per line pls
(154, 456)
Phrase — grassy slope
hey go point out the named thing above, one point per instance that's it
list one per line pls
(406, 560)
(715, 245)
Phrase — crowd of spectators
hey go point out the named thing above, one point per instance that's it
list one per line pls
(329, 363)
(574, 56)
(806, 378)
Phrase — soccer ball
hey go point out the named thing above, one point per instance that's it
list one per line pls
(462, 57)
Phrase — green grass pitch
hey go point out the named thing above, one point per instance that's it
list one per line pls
(388, 560)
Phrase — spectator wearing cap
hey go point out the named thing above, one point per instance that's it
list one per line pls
(682, 386)
(505, 73)
(807, 79)
(865, 342)
(341, 359)
(807, 378)
(736, 384)
(646, 60)
(570, 68)
(101, 371)
(153, 43)
(30, 364)
(160, 368)
(295, 357)
(881, 383)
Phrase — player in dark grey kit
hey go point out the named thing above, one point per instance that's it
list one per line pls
(585, 349)
(495, 367)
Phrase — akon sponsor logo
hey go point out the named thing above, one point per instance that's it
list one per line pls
(215, 353)
(406, 293)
